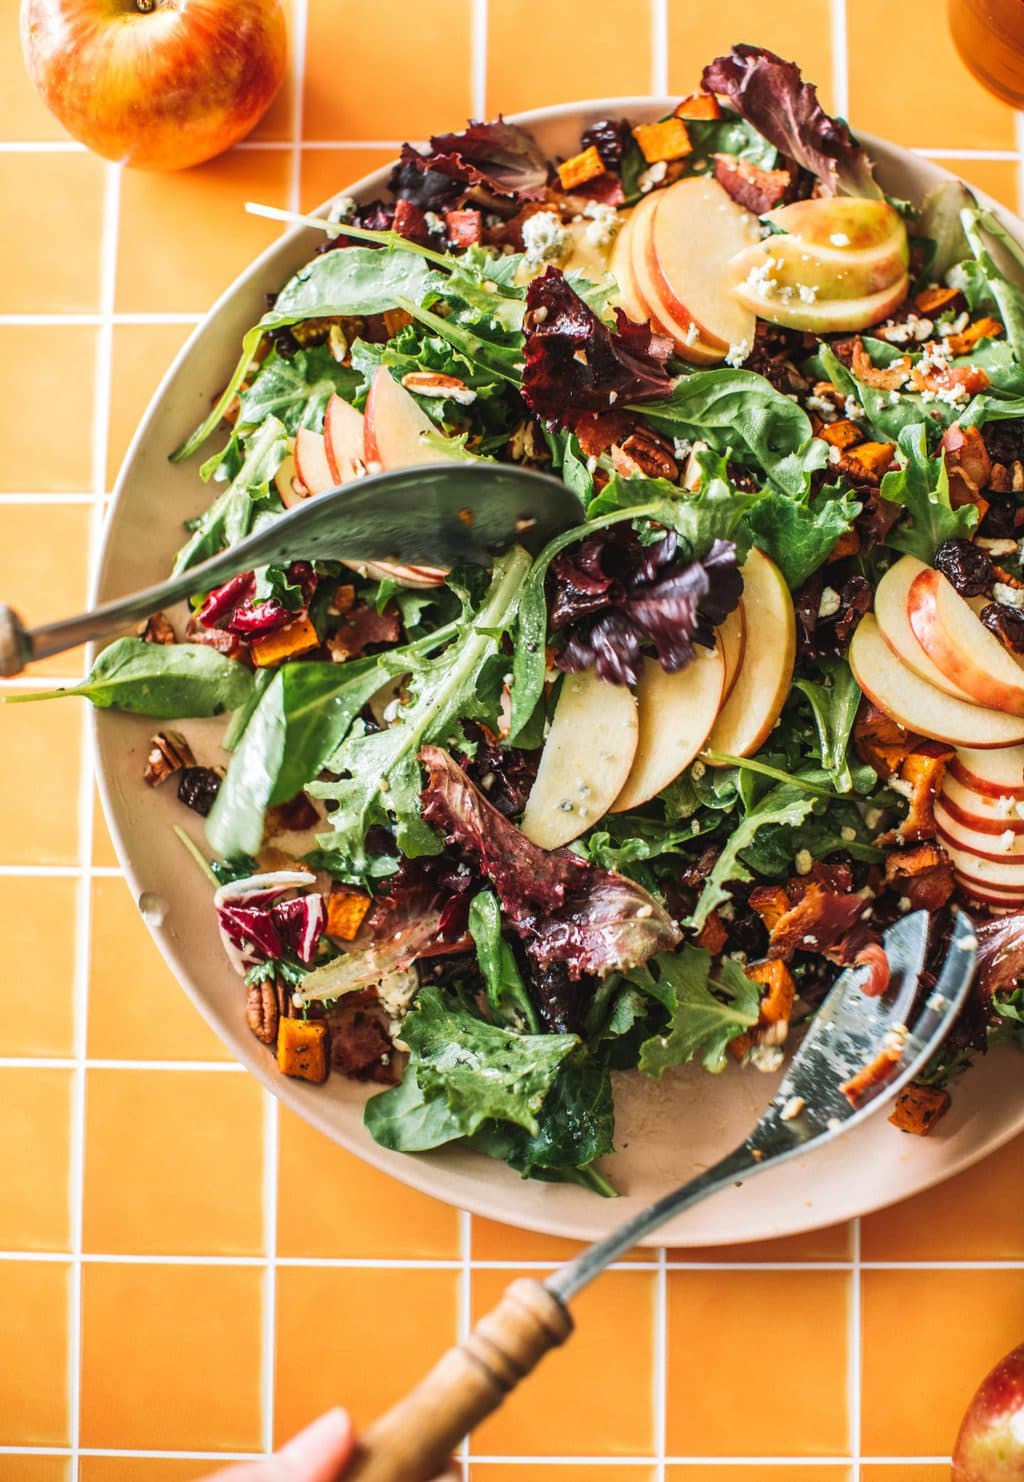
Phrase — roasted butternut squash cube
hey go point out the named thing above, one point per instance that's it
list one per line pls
(699, 105)
(302, 1046)
(297, 637)
(346, 911)
(780, 991)
(579, 168)
(918, 1108)
(667, 140)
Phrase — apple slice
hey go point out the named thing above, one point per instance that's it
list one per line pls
(732, 640)
(311, 465)
(1003, 876)
(996, 774)
(344, 440)
(994, 901)
(695, 231)
(620, 266)
(954, 639)
(1005, 848)
(668, 318)
(843, 227)
(918, 705)
(760, 688)
(760, 287)
(395, 425)
(291, 492)
(676, 713)
(973, 810)
(586, 759)
(891, 596)
(787, 270)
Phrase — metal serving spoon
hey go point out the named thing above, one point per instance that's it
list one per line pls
(412, 1442)
(443, 514)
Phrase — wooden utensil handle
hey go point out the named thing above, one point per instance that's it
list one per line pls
(415, 1439)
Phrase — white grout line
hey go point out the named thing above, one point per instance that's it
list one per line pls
(659, 47)
(478, 59)
(271, 1150)
(660, 1364)
(465, 1308)
(840, 71)
(824, 1462)
(854, 1352)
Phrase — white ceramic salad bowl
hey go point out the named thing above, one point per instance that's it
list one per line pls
(666, 1131)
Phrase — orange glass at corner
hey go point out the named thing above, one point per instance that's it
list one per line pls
(989, 35)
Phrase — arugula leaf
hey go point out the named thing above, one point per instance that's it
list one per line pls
(232, 514)
(481, 1070)
(799, 535)
(166, 681)
(834, 707)
(700, 1023)
(921, 486)
(740, 414)
(784, 804)
(509, 1001)
(380, 773)
(295, 390)
(355, 281)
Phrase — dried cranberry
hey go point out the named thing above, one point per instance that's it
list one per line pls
(198, 788)
(965, 566)
(1006, 623)
(609, 138)
(1004, 439)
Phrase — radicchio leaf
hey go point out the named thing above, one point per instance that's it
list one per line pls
(594, 921)
(501, 157)
(575, 365)
(1000, 961)
(771, 95)
(255, 924)
(609, 605)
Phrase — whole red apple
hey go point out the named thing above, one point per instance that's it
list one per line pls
(990, 1446)
(160, 84)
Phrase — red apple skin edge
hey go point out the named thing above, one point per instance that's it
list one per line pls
(990, 1445)
(158, 84)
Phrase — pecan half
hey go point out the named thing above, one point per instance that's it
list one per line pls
(652, 454)
(157, 629)
(435, 383)
(168, 752)
(261, 1011)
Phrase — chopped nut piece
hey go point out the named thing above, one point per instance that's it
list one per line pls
(302, 1049)
(157, 629)
(580, 168)
(652, 455)
(436, 384)
(346, 912)
(667, 140)
(168, 752)
(344, 598)
(261, 1011)
(793, 1107)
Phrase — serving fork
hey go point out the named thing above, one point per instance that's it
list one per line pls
(894, 1035)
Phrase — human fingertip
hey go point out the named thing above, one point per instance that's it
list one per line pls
(327, 1442)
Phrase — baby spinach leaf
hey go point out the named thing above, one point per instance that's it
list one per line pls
(729, 134)
(295, 390)
(575, 1125)
(921, 486)
(784, 804)
(353, 281)
(701, 1021)
(799, 535)
(887, 412)
(739, 413)
(232, 514)
(302, 718)
(980, 228)
(167, 681)
(509, 1001)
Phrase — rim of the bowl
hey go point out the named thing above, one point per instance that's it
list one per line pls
(420, 1172)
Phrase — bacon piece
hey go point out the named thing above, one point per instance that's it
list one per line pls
(361, 1047)
(923, 875)
(361, 627)
(968, 465)
(887, 378)
(759, 190)
(815, 923)
(880, 741)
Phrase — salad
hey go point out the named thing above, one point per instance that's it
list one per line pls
(487, 837)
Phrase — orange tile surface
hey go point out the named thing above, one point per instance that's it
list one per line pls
(615, 1317)
(38, 920)
(240, 1272)
(158, 1183)
(404, 1321)
(34, 1353)
(35, 1154)
(171, 1357)
(908, 1320)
